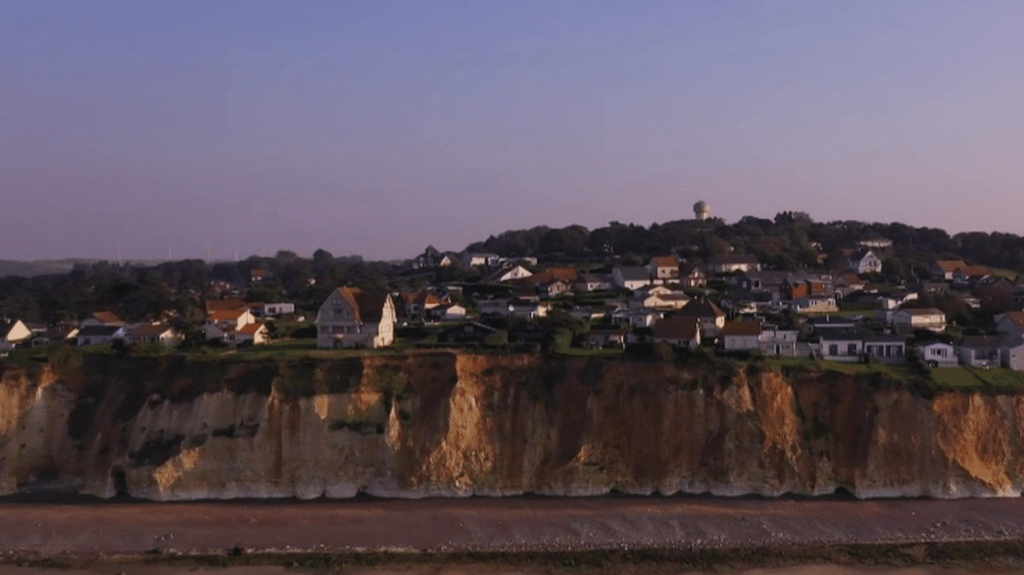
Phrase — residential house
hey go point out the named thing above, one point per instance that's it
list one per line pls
(969, 276)
(494, 307)
(679, 330)
(556, 288)
(431, 258)
(480, 259)
(528, 308)
(354, 318)
(637, 317)
(864, 262)
(102, 318)
(692, 276)
(711, 318)
(847, 283)
(813, 305)
(450, 312)
(1012, 354)
(154, 333)
(877, 243)
(980, 351)
(841, 345)
(920, 318)
(472, 332)
(418, 305)
(660, 298)
(944, 269)
(631, 278)
(996, 284)
(507, 274)
(1010, 325)
(606, 337)
(731, 263)
(13, 333)
(886, 348)
(665, 268)
(938, 354)
(60, 333)
(544, 277)
(277, 309)
(213, 305)
(741, 335)
(775, 341)
(98, 334)
(593, 282)
(223, 325)
(768, 283)
(257, 275)
(256, 333)
(897, 299)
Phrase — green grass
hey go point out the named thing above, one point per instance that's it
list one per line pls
(965, 378)
(591, 352)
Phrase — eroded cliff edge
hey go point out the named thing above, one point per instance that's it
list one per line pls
(445, 424)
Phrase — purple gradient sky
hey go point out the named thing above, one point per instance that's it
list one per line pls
(380, 127)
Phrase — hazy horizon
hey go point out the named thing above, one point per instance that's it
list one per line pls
(377, 129)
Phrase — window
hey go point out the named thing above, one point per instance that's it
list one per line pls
(851, 349)
(833, 349)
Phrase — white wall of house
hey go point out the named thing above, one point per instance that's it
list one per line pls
(846, 350)
(938, 354)
(980, 357)
(740, 342)
(1012, 356)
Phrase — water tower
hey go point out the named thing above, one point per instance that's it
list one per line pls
(701, 211)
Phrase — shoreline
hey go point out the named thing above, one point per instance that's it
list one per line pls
(670, 534)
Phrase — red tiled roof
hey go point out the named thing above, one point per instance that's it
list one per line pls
(251, 327)
(213, 305)
(678, 327)
(742, 328)
(156, 330)
(702, 308)
(107, 318)
(950, 266)
(224, 314)
(664, 262)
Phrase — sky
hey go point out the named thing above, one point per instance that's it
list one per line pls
(193, 127)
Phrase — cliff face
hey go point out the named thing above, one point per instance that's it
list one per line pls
(457, 425)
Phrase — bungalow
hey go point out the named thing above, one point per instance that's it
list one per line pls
(775, 341)
(468, 333)
(354, 318)
(938, 354)
(678, 330)
(980, 351)
(606, 337)
(661, 298)
(731, 263)
(13, 333)
(556, 288)
(864, 262)
(664, 268)
(97, 334)
(711, 318)
(920, 318)
(741, 335)
(276, 309)
(631, 278)
(153, 333)
(886, 348)
(841, 345)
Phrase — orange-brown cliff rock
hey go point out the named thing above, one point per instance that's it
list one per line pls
(443, 424)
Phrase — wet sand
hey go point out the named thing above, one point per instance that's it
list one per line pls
(97, 531)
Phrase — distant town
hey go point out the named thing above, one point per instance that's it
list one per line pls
(845, 292)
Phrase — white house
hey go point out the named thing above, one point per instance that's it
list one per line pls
(741, 335)
(528, 308)
(351, 317)
(1010, 324)
(841, 345)
(593, 282)
(223, 324)
(886, 348)
(509, 274)
(98, 334)
(153, 333)
(731, 263)
(920, 318)
(664, 268)
(864, 262)
(480, 259)
(659, 297)
(102, 318)
(255, 332)
(775, 341)
(450, 312)
(938, 354)
(276, 309)
(1012, 354)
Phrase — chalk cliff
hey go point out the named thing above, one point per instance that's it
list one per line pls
(442, 424)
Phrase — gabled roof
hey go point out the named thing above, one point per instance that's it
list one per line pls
(551, 274)
(742, 328)
(678, 327)
(368, 306)
(107, 318)
(252, 327)
(1017, 317)
(226, 314)
(99, 330)
(980, 342)
(702, 308)
(860, 254)
(665, 262)
(974, 271)
(950, 266)
(851, 279)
